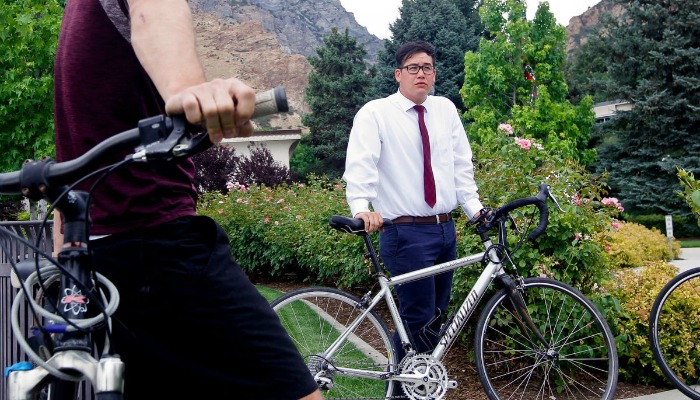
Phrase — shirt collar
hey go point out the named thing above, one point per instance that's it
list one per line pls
(407, 104)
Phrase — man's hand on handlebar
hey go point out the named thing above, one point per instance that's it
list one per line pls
(225, 106)
(373, 220)
(479, 216)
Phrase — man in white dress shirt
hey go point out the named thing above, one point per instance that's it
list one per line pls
(385, 168)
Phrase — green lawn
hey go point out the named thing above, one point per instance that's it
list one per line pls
(312, 332)
(269, 294)
(690, 242)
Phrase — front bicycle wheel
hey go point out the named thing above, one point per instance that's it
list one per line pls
(673, 327)
(579, 360)
(314, 318)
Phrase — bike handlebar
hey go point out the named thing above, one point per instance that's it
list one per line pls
(356, 225)
(540, 200)
(157, 137)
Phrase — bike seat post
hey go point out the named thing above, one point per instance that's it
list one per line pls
(371, 253)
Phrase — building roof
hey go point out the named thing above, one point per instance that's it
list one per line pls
(259, 136)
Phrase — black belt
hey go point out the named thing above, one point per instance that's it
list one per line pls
(435, 219)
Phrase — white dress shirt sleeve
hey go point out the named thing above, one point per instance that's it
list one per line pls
(361, 173)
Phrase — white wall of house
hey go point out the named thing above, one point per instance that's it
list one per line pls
(281, 144)
(604, 111)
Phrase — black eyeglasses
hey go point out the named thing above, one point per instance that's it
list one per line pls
(414, 68)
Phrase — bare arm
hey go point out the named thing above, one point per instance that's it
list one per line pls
(57, 234)
(163, 38)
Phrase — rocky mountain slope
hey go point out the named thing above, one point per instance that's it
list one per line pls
(580, 27)
(265, 43)
(250, 53)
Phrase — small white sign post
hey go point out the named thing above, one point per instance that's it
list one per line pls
(669, 232)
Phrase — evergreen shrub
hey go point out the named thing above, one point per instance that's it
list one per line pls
(634, 245)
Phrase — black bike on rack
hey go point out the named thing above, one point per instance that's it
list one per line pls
(69, 300)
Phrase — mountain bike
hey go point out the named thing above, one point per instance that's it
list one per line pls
(536, 338)
(673, 338)
(71, 304)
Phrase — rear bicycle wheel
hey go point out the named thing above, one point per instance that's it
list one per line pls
(314, 318)
(673, 327)
(579, 362)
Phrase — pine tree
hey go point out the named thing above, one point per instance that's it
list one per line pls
(653, 61)
(337, 87)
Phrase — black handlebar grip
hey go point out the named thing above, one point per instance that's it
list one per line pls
(270, 102)
(544, 219)
(544, 212)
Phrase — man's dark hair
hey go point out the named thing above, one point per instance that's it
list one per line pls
(410, 48)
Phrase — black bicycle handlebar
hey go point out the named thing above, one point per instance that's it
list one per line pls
(540, 200)
(356, 225)
(156, 138)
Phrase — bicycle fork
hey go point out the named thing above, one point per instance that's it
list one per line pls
(521, 314)
(71, 361)
(105, 374)
(69, 335)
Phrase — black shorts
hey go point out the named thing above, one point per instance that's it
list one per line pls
(190, 321)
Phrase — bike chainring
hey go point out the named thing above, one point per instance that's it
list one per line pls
(435, 382)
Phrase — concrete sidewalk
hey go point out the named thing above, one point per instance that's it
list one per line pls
(689, 258)
(668, 395)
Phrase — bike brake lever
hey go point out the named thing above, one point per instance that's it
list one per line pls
(556, 203)
(167, 137)
(162, 137)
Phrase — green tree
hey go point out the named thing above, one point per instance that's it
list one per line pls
(474, 27)
(28, 46)
(653, 61)
(517, 77)
(441, 23)
(337, 87)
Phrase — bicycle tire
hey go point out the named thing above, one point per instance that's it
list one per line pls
(313, 318)
(676, 309)
(580, 363)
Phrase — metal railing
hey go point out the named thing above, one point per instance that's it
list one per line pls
(11, 249)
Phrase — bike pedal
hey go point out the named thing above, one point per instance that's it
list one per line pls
(452, 384)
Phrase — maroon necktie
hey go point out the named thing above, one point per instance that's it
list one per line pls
(428, 179)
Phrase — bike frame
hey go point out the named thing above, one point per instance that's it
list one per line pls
(492, 271)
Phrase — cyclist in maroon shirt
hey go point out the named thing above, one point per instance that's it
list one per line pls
(189, 320)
